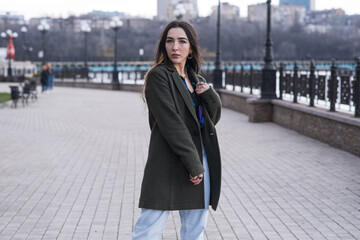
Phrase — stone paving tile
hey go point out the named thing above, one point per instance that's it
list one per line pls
(72, 165)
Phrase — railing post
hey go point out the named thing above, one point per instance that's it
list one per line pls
(242, 78)
(312, 83)
(281, 80)
(102, 74)
(226, 75)
(251, 79)
(332, 87)
(62, 73)
(357, 89)
(233, 76)
(295, 83)
(136, 72)
(208, 71)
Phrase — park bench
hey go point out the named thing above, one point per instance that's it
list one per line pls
(25, 93)
(33, 91)
(15, 95)
(28, 89)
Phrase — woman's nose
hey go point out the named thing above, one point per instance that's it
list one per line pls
(175, 45)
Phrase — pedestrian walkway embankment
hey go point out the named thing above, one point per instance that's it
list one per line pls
(338, 129)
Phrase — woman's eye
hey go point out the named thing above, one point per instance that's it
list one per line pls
(183, 41)
(168, 41)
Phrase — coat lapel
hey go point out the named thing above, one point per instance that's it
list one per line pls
(184, 93)
(181, 86)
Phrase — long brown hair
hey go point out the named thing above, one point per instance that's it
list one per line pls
(161, 56)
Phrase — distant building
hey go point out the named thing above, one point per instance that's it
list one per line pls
(37, 21)
(289, 15)
(100, 19)
(138, 24)
(100, 14)
(324, 16)
(228, 12)
(257, 12)
(162, 9)
(308, 4)
(166, 9)
(325, 20)
(283, 16)
(9, 18)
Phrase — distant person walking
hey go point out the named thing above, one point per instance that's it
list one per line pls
(50, 84)
(183, 169)
(44, 78)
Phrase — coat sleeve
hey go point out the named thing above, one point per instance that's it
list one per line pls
(212, 103)
(161, 104)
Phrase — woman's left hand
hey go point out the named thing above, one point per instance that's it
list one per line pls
(197, 179)
(201, 87)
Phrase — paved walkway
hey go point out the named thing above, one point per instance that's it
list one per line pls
(71, 165)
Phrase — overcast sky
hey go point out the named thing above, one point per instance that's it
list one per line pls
(147, 8)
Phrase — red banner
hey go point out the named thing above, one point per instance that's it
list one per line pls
(10, 52)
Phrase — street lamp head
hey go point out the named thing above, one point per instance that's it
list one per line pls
(40, 28)
(9, 34)
(116, 23)
(179, 11)
(43, 26)
(23, 29)
(85, 27)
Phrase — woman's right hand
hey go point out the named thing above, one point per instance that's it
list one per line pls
(197, 179)
(201, 87)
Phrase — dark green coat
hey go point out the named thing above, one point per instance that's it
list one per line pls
(175, 145)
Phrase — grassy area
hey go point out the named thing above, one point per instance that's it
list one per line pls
(4, 97)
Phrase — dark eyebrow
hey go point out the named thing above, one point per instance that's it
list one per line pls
(180, 38)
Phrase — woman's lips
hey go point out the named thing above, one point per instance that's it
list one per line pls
(175, 55)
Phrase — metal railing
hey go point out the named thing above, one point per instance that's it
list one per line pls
(329, 84)
(335, 87)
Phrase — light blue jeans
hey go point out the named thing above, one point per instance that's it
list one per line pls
(151, 223)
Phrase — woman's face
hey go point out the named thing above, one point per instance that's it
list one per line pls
(177, 46)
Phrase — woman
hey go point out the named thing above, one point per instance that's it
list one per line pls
(44, 77)
(183, 170)
(50, 83)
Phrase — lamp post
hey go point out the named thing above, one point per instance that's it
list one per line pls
(268, 83)
(218, 70)
(85, 28)
(43, 27)
(26, 47)
(10, 52)
(115, 24)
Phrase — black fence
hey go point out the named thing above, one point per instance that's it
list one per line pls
(336, 88)
(19, 72)
(102, 76)
(243, 77)
(330, 84)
